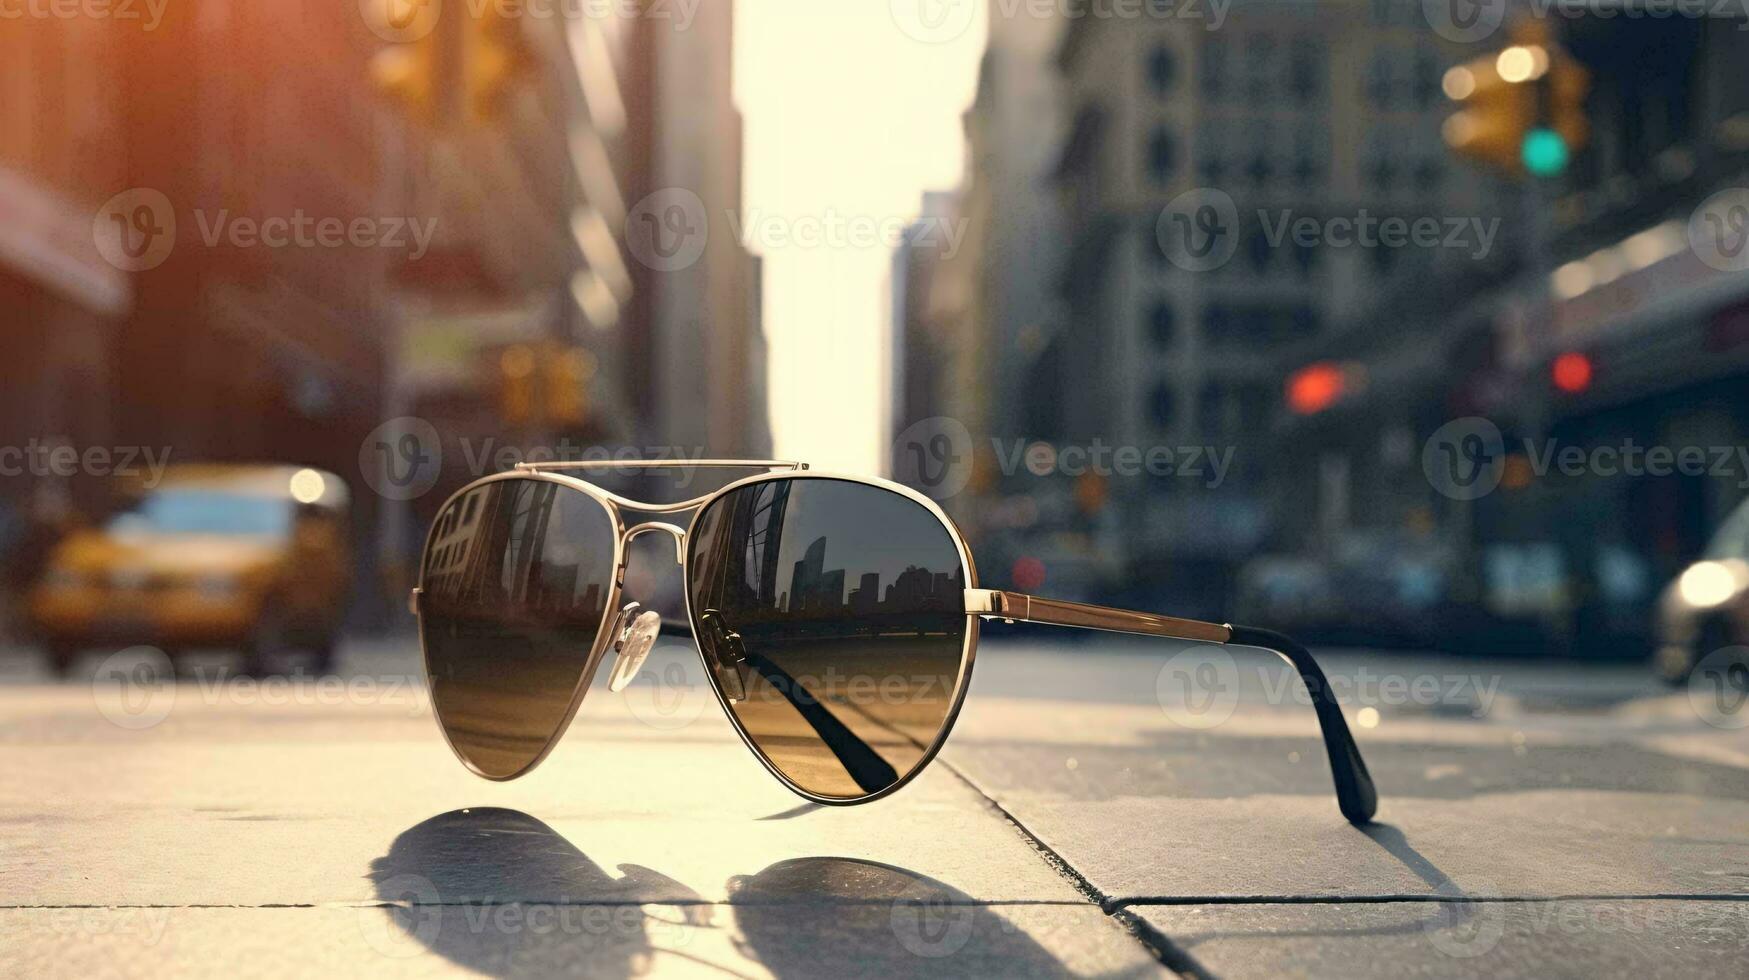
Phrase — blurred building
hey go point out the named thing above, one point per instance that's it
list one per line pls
(707, 350)
(1290, 111)
(508, 336)
(145, 174)
(974, 278)
(61, 304)
(1608, 330)
(1012, 324)
(924, 316)
(1012, 229)
(1639, 335)
(1638, 287)
(332, 220)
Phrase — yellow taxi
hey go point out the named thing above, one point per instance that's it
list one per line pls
(252, 558)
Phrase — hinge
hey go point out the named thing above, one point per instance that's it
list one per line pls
(985, 602)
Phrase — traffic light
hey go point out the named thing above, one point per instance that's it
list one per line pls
(1522, 109)
(407, 74)
(439, 68)
(516, 400)
(544, 383)
(496, 55)
(1495, 114)
(1572, 372)
(410, 69)
(1563, 93)
(565, 386)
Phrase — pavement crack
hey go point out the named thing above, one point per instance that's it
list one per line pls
(1423, 898)
(811, 902)
(1160, 946)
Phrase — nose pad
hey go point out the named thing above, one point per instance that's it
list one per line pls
(725, 654)
(637, 634)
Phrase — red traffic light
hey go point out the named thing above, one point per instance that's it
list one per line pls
(1571, 372)
(1316, 387)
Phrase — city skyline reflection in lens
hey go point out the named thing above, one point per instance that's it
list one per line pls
(832, 617)
(516, 581)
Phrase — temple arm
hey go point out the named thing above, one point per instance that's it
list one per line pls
(1354, 787)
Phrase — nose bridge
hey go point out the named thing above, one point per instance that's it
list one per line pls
(632, 533)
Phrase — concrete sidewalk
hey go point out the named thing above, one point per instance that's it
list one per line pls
(1074, 826)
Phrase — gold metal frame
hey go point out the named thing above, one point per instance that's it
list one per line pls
(1354, 786)
(614, 504)
(968, 652)
(1018, 607)
(602, 632)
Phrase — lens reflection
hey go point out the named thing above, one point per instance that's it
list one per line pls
(516, 578)
(832, 615)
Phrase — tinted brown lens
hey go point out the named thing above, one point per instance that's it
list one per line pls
(832, 615)
(516, 580)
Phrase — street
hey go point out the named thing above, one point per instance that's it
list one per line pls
(1108, 809)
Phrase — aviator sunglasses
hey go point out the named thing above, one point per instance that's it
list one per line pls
(837, 617)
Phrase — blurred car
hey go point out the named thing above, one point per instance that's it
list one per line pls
(1707, 606)
(253, 558)
(1289, 592)
(1370, 588)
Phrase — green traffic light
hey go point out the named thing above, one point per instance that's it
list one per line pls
(1545, 152)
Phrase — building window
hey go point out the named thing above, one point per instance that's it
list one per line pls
(1213, 68)
(1259, 250)
(1384, 260)
(1211, 414)
(1260, 168)
(1214, 322)
(1427, 80)
(1429, 174)
(1213, 167)
(1162, 69)
(1260, 65)
(1254, 405)
(1380, 80)
(1378, 161)
(1259, 325)
(1306, 71)
(1155, 248)
(1163, 324)
(1309, 153)
(1162, 406)
(1162, 155)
